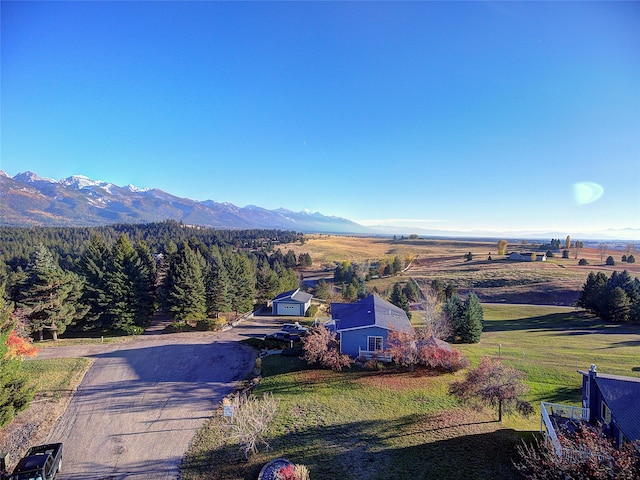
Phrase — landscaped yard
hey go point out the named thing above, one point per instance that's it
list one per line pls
(396, 425)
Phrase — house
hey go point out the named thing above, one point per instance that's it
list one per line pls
(528, 256)
(363, 327)
(612, 401)
(293, 302)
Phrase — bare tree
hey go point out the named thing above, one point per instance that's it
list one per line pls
(434, 321)
(251, 420)
(602, 248)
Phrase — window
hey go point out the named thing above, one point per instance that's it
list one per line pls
(606, 413)
(375, 343)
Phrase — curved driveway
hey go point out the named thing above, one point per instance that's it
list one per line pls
(141, 402)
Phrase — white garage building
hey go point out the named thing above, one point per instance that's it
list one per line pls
(294, 303)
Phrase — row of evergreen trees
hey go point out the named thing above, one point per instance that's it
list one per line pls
(119, 287)
(615, 298)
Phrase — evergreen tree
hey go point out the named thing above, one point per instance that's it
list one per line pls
(397, 265)
(50, 297)
(399, 299)
(15, 392)
(267, 284)
(322, 290)
(218, 296)
(93, 266)
(470, 329)
(619, 306)
(454, 310)
(242, 274)
(186, 289)
(411, 291)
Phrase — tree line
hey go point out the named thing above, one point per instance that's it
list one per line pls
(118, 285)
(614, 299)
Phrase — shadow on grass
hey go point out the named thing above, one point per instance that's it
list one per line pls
(376, 449)
(559, 395)
(573, 323)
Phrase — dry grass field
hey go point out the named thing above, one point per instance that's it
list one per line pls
(557, 281)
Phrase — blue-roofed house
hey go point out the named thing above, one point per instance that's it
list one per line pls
(612, 401)
(363, 327)
(293, 302)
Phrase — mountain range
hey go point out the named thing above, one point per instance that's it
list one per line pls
(29, 200)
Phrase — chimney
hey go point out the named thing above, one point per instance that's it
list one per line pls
(592, 370)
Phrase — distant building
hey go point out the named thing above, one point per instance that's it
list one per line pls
(293, 302)
(528, 256)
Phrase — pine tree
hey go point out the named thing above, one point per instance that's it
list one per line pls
(218, 296)
(470, 329)
(15, 392)
(267, 283)
(399, 299)
(454, 310)
(186, 293)
(619, 306)
(242, 275)
(93, 266)
(50, 297)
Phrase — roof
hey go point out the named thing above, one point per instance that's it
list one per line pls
(622, 396)
(369, 312)
(295, 295)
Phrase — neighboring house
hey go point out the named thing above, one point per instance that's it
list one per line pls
(294, 302)
(612, 401)
(363, 327)
(528, 256)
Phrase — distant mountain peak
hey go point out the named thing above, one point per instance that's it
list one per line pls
(80, 201)
(30, 177)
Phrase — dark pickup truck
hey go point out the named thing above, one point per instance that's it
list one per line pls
(40, 463)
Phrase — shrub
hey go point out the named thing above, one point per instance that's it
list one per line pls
(610, 260)
(251, 420)
(208, 324)
(312, 311)
(320, 346)
(439, 358)
(631, 259)
(177, 327)
(583, 261)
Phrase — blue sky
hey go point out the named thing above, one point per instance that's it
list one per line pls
(455, 116)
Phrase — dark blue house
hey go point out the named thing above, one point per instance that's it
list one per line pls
(614, 402)
(362, 327)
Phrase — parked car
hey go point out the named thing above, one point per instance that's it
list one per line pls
(283, 336)
(295, 328)
(40, 463)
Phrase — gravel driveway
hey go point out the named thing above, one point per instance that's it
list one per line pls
(141, 402)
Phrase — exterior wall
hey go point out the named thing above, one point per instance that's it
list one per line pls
(353, 340)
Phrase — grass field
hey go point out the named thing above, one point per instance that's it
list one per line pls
(402, 425)
(555, 282)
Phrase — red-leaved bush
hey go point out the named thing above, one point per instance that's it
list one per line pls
(20, 347)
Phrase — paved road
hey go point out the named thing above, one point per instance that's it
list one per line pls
(141, 402)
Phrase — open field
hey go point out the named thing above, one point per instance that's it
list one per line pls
(401, 425)
(555, 282)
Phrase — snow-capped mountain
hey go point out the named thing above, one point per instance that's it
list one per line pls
(27, 200)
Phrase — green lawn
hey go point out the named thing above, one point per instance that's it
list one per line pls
(401, 425)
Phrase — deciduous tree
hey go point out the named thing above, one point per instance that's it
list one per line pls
(502, 247)
(494, 384)
(321, 347)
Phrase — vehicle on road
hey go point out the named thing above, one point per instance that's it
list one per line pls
(42, 462)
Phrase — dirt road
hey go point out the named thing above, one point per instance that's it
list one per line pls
(141, 402)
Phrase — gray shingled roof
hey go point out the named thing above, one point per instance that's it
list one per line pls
(368, 312)
(622, 396)
(296, 295)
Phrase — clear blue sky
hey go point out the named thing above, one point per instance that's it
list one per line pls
(455, 116)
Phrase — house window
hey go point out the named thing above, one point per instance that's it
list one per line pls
(606, 413)
(375, 343)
